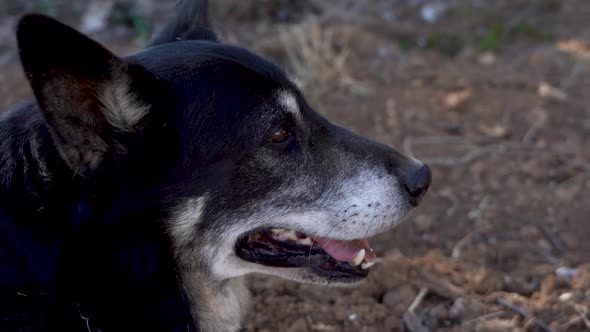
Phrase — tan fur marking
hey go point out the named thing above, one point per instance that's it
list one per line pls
(217, 305)
(288, 100)
(221, 304)
(120, 105)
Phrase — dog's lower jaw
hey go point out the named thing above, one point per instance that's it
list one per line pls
(217, 306)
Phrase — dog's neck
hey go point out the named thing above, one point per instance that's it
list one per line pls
(217, 306)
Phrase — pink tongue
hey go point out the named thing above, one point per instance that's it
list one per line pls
(346, 251)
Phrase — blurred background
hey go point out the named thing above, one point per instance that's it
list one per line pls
(494, 95)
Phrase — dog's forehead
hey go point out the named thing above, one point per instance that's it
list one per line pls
(180, 59)
(233, 74)
(194, 63)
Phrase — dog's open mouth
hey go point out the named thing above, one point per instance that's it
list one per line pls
(326, 257)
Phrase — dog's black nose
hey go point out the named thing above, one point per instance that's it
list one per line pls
(417, 183)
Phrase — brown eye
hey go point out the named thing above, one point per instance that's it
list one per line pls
(281, 135)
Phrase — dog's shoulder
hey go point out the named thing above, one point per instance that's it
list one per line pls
(28, 246)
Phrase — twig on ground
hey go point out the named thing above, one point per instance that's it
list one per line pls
(524, 313)
(481, 207)
(308, 320)
(467, 158)
(418, 300)
(475, 149)
(422, 279)
(491, 315)
(321, 327)
(572, 322)
(458, 247)
(480, 149)
(577, 70)
(413, 321)
(474, 152)
(438, 285)
(555, 243)
(472, 215)
(522, 246)
(583, 312)
(539, 123)
(448, 194)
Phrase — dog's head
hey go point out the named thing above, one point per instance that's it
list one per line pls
(250, 177)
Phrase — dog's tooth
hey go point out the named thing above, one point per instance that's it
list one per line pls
(367, 265)
(277, 231)
(360, 256)
(305, 241)
(291, 235)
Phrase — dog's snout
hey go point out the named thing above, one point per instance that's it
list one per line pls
(418, 182)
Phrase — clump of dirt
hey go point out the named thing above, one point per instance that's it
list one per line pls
(427, 293)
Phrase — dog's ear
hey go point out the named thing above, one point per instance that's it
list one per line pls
(190, 21)
(87, 95)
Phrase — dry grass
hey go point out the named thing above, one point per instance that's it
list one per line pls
(318, 58)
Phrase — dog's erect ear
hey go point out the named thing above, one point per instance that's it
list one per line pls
(190, 21)
(88, 96)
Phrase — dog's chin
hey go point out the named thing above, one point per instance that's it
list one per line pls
(307, 275)
(308, 259)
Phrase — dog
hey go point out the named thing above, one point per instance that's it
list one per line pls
(136, 192)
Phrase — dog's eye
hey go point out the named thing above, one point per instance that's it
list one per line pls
(281, 135)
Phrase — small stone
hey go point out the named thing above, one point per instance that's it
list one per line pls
(433, 11)
(495, 131)
(530, 232)
(485, 281)
(404, 295)
(570, 240)
(369, 329)
(455, 99)
(440, 312)
(496, 325)
(566, 272)
(424, 222)
(457, 309)
(299, 325)
(487, 58)
(550, 92)
(565, 297)
(417, 83)
(96, 17)
(393, 323)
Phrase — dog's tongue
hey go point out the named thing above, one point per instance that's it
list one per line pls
(346, 251)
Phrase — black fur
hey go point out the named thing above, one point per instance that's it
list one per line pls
(85, 200)
(89, 248)
(85, 250)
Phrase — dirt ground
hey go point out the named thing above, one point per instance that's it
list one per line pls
(493, 95)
